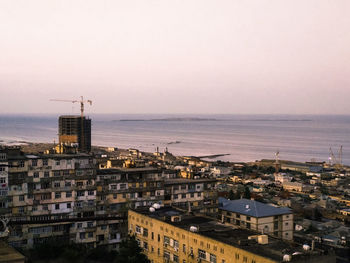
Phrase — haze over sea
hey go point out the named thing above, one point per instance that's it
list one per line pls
(244, 137)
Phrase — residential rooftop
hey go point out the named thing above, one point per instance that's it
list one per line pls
(275, 249)
(251, 208)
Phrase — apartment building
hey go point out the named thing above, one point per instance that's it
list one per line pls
(44, 191)
(3, 182)
(198, 195)
(169, 235)
(264, 218)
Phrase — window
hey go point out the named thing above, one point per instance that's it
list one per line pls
(56, 173)
(45, 162)
(34, 208)
(68, 184)
(21, 209)
(183, 187)
(80, 225)
(45, 207)
(176, 196)
(2, 180)
(57, 162)
(184, 248)
(80, 193)
(145, 245)
(183, 196)
(145, 232)
(248, 225)
(46, 174)
(57, 206)
(69, 205)
(245, 259)
(68, 194)
(166, 240)
(212, 258)
(167, 255)
(57, 195)
(91, 234)
(192, 195)
(82, 235)
(248, 218)
(152, 235)
(57, 184)
(222, 250)
(36, 174)
(199, 194)
(91, 192)
(176, 259)
(201, 254)
(138, 229)
(21, 198)
(34, 162)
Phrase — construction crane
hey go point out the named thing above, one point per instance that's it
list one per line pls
(336, 161)
(82, 101)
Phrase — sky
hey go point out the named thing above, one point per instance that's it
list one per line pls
(176, 56)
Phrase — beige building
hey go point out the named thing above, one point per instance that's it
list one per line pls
(293, 186)
(257, 216)
(169, 235)
(198, 195)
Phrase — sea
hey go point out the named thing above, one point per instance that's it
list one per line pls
(240, 137)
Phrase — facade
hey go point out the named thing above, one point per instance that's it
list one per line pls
(168, 235)
(75, 130)
(257, 216)
(293, 186)
(3, 181)
(200, 194)
(46, 190)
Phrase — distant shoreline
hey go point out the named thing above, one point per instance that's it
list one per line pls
(171, 119)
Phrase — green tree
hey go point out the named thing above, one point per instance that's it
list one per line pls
(247, 193)
(231, 195)
(130, 252)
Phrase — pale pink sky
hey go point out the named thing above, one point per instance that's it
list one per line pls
(172, 56)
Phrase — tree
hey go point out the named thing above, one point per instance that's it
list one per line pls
(231, 195)
(247, 193)
(130, 252)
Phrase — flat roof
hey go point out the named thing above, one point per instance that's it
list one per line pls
(231, 235)
(185, 180)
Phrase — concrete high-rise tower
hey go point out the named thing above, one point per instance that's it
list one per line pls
(75, 130)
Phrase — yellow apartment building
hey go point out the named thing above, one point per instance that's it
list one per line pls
(169, 235)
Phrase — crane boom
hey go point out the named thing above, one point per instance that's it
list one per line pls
(82, 101)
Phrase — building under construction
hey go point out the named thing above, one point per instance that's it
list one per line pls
(74, 129)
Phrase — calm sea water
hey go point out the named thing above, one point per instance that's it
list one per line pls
(244, 137)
